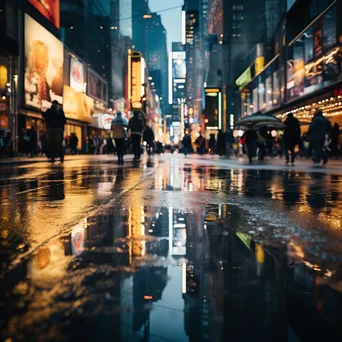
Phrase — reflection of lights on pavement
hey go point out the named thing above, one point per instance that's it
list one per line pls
(184, 278)
(170, 230)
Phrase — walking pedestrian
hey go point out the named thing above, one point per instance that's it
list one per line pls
(186, 143)
(200, 142)
(319, 131)
(148, 137)
(136, 127)
(43, 142)
(73, 141)
(110, 145)
(250, 139)
(221, 143)
(33, 141)
(212, 144)
(291, 138)
(261, 144)
(229, 142)
(55, 121)
(335, 140)
(119, 135)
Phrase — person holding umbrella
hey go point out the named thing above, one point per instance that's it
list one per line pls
(250, 139)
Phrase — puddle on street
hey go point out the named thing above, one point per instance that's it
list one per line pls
(159, 273)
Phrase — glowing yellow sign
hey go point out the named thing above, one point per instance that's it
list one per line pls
(259, 64)
(211, 90)
(3, 76)
(136, 84)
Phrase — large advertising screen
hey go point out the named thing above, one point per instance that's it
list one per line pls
(49, 9)
(77, 106)
(44, 60)
(97, 88)
(178, 69)
(77, 79)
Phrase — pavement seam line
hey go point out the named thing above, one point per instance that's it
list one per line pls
(22, 257)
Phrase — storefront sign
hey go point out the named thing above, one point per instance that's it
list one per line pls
(44, 58)
(49, 9)
(3, 76)
(136, 84)
(244, 79)
(77, 81)
(77, 106)
(103, 121)
(259, 64)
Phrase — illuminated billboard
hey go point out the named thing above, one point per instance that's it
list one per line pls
(44, 60)
(77, 106)
(49, 9)
(77, 79)
(178, 69)
(136, 84)
(97, 87)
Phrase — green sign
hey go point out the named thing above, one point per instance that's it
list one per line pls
(244, 79)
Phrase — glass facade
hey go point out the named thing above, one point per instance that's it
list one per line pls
(126, 18)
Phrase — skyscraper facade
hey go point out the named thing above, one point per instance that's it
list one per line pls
(156, 55)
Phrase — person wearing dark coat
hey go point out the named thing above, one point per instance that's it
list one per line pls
(250, 139)
(212, 143)
(55, 121)
(136, 126)
(73, 143)
(186, 144)
(335, 140)
(33, 141)
(221, 143)
(319, 129)
(148, 137)
(291, 137)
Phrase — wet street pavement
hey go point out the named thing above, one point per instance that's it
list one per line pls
(170, 249)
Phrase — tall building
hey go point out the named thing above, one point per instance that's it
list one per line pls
(141, 14)
(156, 55)
(177, 80)
(85, 29)
(194, 42)
(244, 26)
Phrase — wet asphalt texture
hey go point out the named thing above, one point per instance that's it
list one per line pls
(169, 249)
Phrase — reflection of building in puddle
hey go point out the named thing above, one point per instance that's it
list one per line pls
(137, 236)
(177, 233)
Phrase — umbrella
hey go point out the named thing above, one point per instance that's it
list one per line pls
(275, 125)
(258, 119)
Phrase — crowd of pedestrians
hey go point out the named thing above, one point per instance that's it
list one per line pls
(319, 142)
